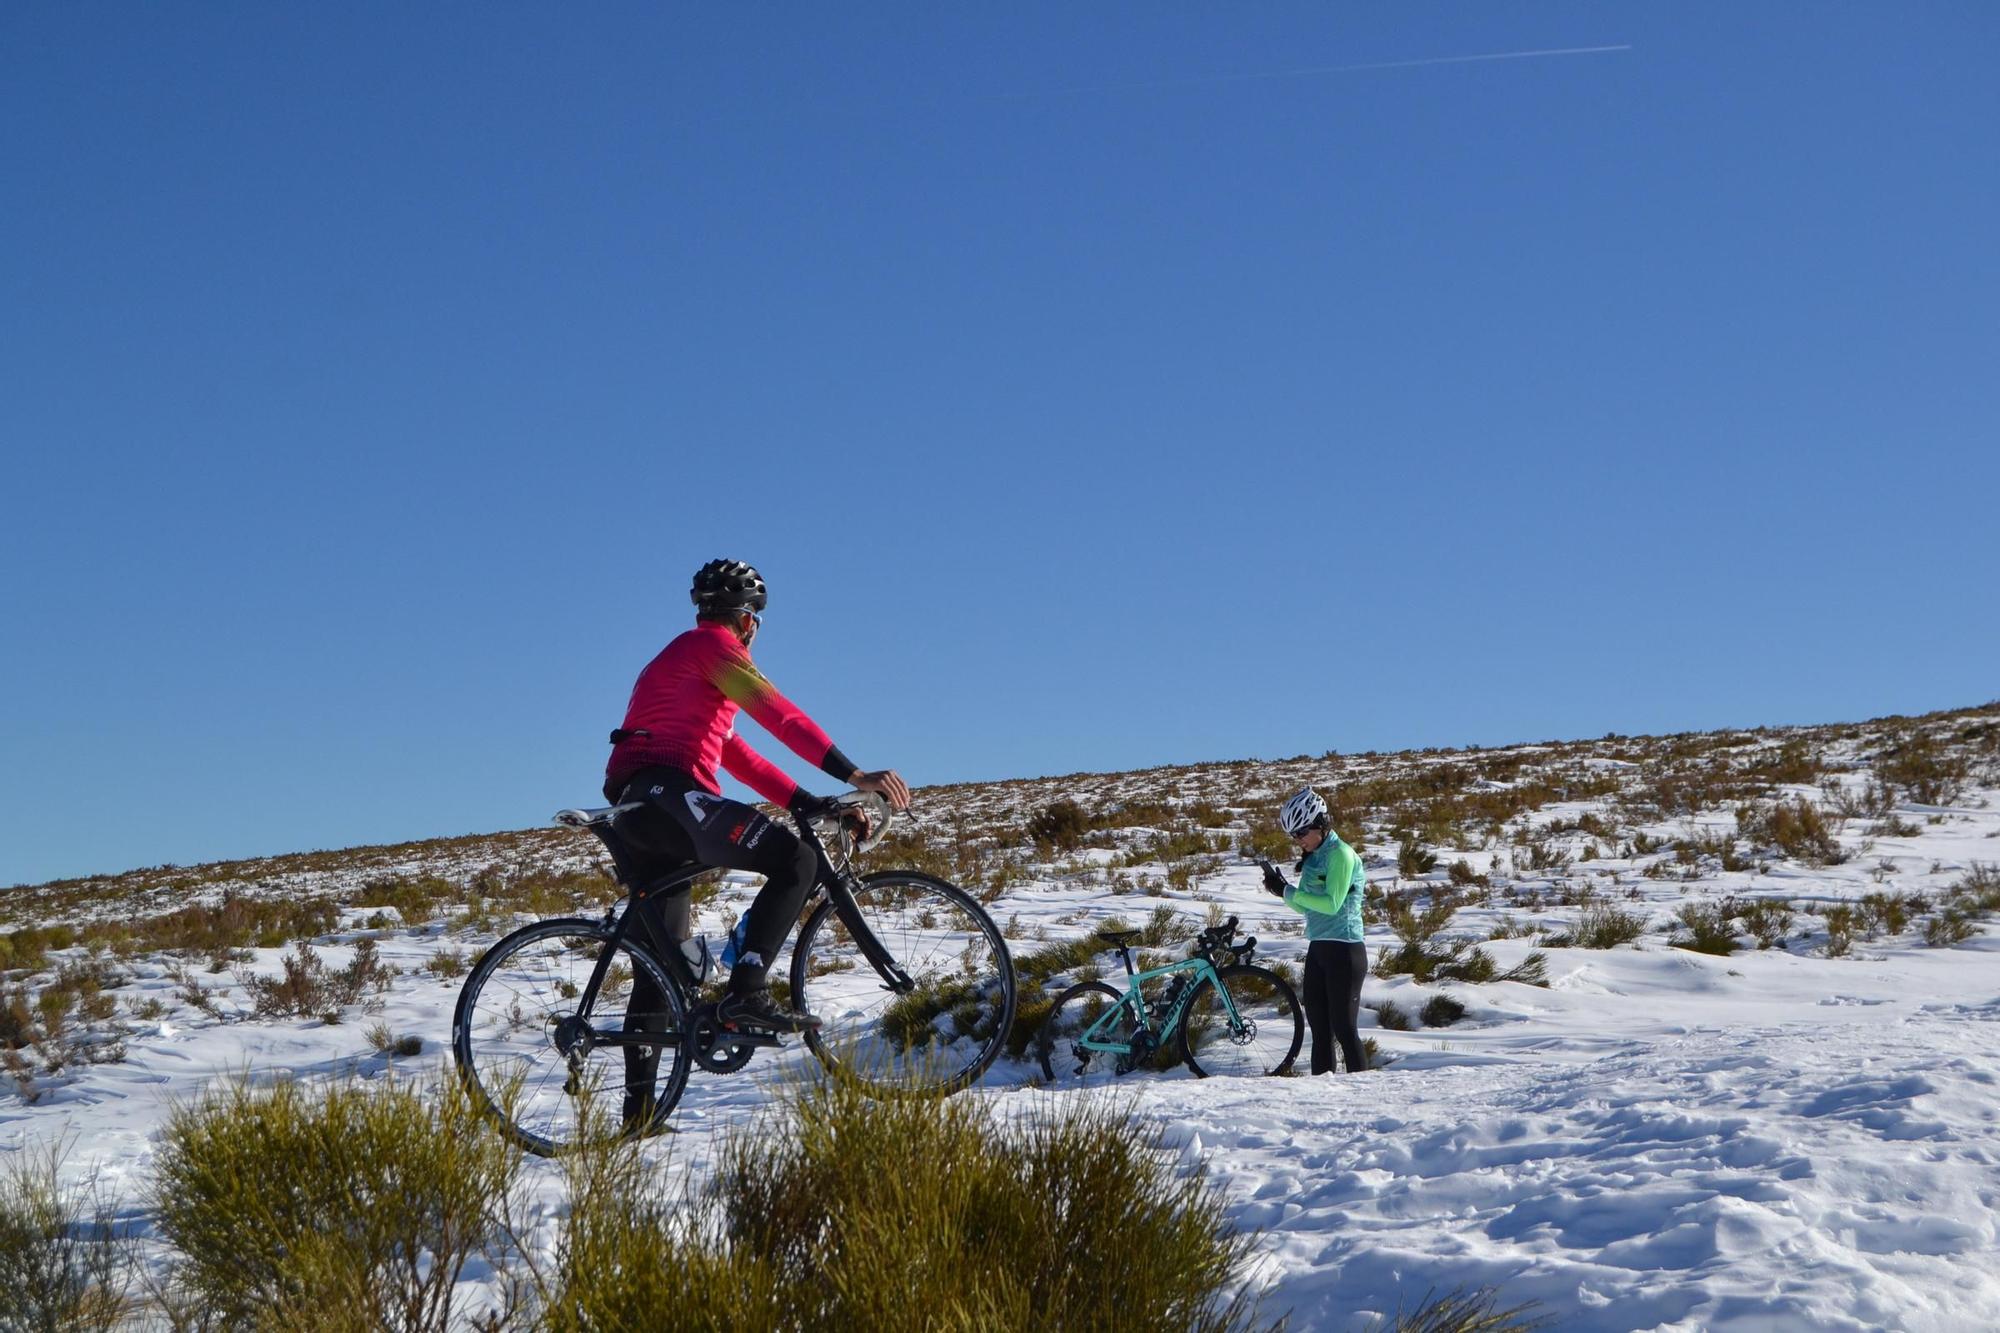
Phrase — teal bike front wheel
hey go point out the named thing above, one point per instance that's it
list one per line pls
(1255, 1031)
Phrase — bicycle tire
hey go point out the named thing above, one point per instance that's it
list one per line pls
(1267, 1046)
(505, 1026)
(1064, 1064)
(933, 1041)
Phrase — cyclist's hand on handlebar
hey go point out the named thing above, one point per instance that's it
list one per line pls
(808, 807)
(887, 783)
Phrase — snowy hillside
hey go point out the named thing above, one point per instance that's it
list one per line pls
(1760, 1089)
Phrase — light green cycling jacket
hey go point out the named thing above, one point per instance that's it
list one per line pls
(1332, 883)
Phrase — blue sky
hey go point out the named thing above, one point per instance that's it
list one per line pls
(1094, 388)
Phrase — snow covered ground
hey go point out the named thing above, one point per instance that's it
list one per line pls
(1774, 1139)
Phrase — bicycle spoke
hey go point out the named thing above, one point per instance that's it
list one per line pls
(948, 1028)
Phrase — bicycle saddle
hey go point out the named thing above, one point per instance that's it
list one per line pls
(593, 817)
(1118, 939)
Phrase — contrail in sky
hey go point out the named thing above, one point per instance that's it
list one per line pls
(1311, 70)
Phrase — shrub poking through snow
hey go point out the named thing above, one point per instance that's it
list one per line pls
(1949, 927)
(1466, 1312)
(1707, 928)
(68, 1021)
(1601, 926)
(1075, 1219)
(1979, 892)
(1886, 912)
(288, 1203)
(1839, 930)
(1925, 770)
(1421, 955)
(1441, 1011)
(1796, 828)
(383, 1040)
(1390, 1015)
(1530, 971)
(1060, 825)
(63, 1262)
(1415, 859)
(1768, 919)
(308, 988)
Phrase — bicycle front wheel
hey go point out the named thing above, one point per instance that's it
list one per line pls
(937, 1037)
(1261, 1037)
(550, 1079)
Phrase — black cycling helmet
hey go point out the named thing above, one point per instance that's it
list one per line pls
(726, 587)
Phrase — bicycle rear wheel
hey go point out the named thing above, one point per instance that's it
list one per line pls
(1066, 1062)
(550, 1080)
(1264, 1036)
(940, 1036)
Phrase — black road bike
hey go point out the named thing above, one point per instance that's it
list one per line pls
(567, 1024)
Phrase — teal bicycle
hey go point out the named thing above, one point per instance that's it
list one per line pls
(1222, 1014)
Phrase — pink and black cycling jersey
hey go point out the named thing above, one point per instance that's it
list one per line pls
(683, 715)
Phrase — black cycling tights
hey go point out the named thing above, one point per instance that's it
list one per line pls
(687, 823)
(1334, 970)
(716, 831)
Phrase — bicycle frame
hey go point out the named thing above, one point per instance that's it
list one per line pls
(1200, 970)
(833, 881)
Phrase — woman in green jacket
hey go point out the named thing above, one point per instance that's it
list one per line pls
(1331, 886)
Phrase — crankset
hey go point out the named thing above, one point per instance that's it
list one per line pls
(1143, 1046)
(717, 1049)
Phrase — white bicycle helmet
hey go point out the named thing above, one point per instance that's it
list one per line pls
(1301, 812)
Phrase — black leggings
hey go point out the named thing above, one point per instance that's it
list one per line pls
(1334, 970)
(688, 823)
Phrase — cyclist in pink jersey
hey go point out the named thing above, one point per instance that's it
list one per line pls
(679, 727)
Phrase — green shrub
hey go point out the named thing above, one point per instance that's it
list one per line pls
(1073, 1219)
(1768, 919)
(1888, 912)
(1060, 825)
(1530, 971)
(1929, 773)
(447, 963)
(1467, 963)
(1059, 958)
(309, 988)
(1265, 841)
(1839, 930)
(1415, 859)
(1391, 1015)
(1979, 891)
(1601, 926)
(351, 1206)
(216, 929)
(64, 1265)
(1707, 928)
(1796, 828)
(1465, 1312)
(1949, 927)
(69, 1020)
(1441, 1011)
(382, 1039)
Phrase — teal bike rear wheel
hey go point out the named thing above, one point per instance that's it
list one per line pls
(1066, 1062)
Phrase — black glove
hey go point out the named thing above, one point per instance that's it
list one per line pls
(807, 807)
(1274, 882)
